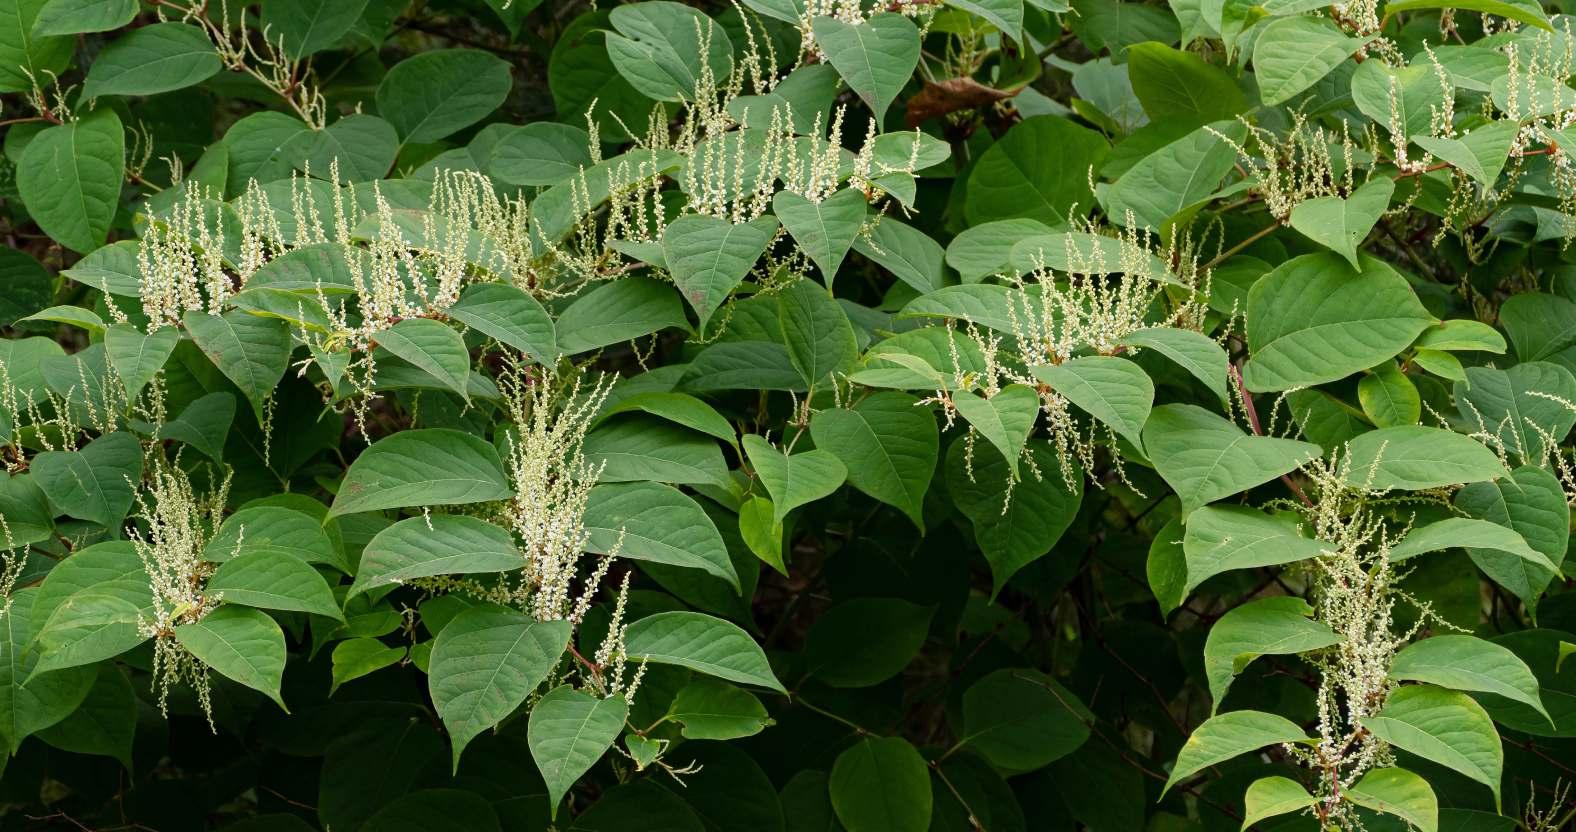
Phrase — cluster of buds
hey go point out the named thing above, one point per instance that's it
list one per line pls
(179, 524)
(1291, 169)
(552, 481)
(1355, 590)
(1105, 289)
(259, 55)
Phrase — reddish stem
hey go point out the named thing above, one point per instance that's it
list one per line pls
(1258, 430)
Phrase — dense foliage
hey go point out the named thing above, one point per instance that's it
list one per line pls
(442, 415)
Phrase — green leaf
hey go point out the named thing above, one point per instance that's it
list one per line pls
(1166, 567)
(889, 446)
(1470, 533)
(90, 626)
(985, 248)
(204, 424)
(665, 49)
(986, 304)
(795, 480)
(1222, 538)
(1388, 397)
(1398, 792)
(262, 578)
(1415, 457)
(26, 57)
(93, 626)
(1204, 457)
(621, 310)
(104, 724)
(1268, 797)
(433, 347)
(1192, 351)
(1445, 727)
(70, 178)
(709, 257)
(637, 447)
(865, 641)
(816, 330)
(905, 251)
(1172, 84)
(881, 784)
(678, 408)
(136, 357)
(308, 26)
(30, 701)
(364, 146)
(1479, 153)
(435, 93)
(1315, 319)
(1022, 720)
(649, 521)
(787, 11)
(1404, 98)
(1017, 526)
(742, 365)
(1530, 502)
(1442, 364)
(509, 316)
(251, 351)
(357, 657)
(825, 228)
(539, 153)
(484, 665)
(568, 732)
(84, 319)
(1039, 170)
(257, 145)
(153, 59)
(30, 287)
(1181, 176)
(1277, 626)
(582, 79)
(241, 644)
(1341, 225)
(111, 269)
(1005, 419)
(278, 531)
(72, 17)
(1523, 407)
(1522, 11)
(28, 517)
(1540, 326)
(434, 466)
(761, 532)
(701, 643)
(1293, 53)
(96, 482)
(875, 57)
(1462, 662)
(1114, 390)
(1224, 736)
(1006, 15)
(1118, 26)
(423, 547)
(713, 710)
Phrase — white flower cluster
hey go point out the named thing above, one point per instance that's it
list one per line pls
(179, 524)
(552, 482)
(1355, 590)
